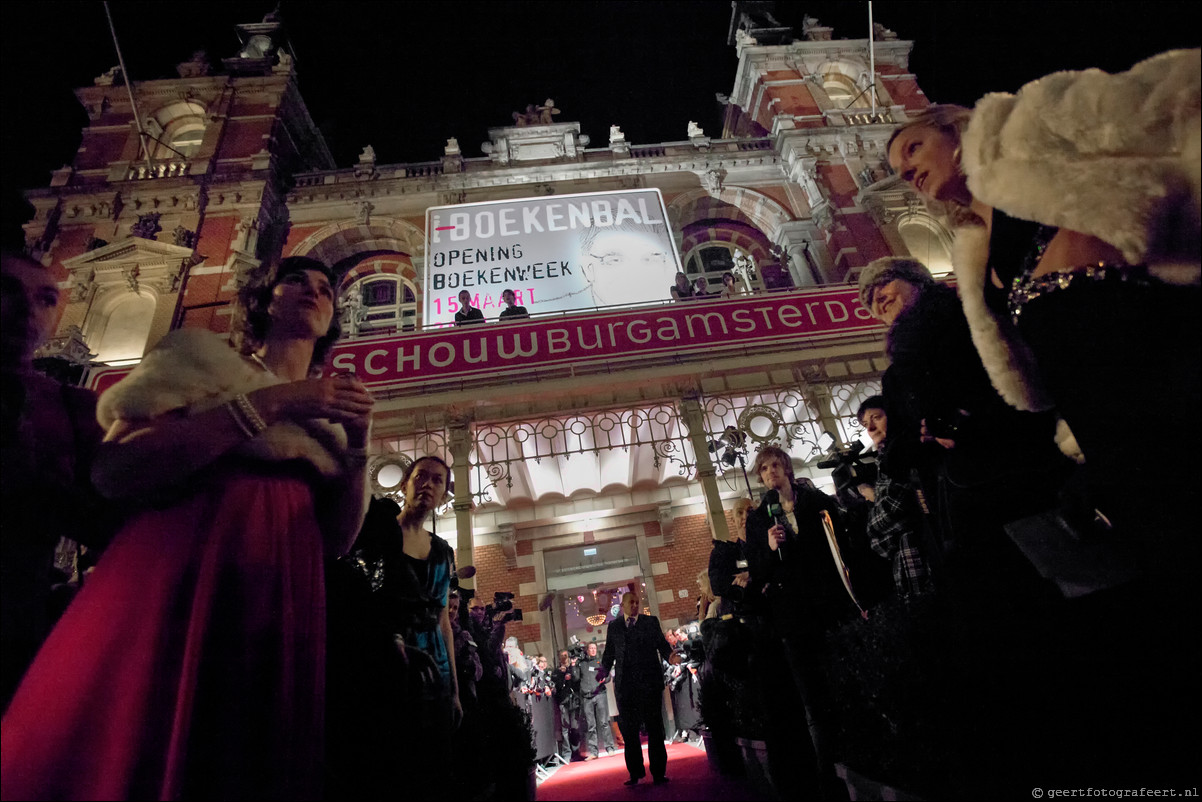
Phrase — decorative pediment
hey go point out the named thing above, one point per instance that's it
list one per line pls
(521, 143)
(133, 263)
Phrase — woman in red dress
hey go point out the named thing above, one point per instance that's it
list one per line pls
(192, 663)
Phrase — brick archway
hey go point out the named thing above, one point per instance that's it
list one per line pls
(338, 242)
(732, 203)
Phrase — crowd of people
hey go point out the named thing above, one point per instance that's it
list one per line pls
(570, 705)
(698, 289)
(259, 627)
(1042, 576)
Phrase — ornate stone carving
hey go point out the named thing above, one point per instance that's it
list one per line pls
(363, 210)
(667, 524)
(183, 237)
(352, 312)
(242, 266)
(824, 216)
(79, 291)
(366, 168)
(452, 157)
(617, 141)
(713, 179)
(805, 173)
(744, 39)
(130, 274)
(195, 67)
(110, 77)
(509, 545)
(246, 233)
(536, 115)
(814, 31)
(147, 226)
(70, 345)
(545, 111)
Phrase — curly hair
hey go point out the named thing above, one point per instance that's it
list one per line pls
(951, 120)
(251, 322)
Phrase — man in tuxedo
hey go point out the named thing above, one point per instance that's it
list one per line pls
(635, 645)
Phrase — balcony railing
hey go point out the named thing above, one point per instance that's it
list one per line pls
(162, 168)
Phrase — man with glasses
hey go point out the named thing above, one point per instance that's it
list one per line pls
(620, 262)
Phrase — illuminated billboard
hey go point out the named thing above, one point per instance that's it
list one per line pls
(556, 253)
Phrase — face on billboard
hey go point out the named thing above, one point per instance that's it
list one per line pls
(624, 267)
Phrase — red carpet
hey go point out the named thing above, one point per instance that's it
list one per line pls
(689, 777)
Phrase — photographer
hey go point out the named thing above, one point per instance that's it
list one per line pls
(467, 657)
(539, 683)
(682, 682)
(486, 622)
(728, 572)
(567, 694)
(497, 733)
(596, 705)
(895, 524)
(854, 479)
(538, 690)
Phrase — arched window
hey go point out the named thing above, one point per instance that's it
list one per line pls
(840, 89)
(379, 303)
(179, 129)
(187, 138)
(712, 259)
(120, 324)
(928, 242)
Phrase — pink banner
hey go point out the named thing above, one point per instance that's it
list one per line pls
(629, 335)
(689, 327)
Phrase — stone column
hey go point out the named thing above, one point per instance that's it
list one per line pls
(461, 446)
(801, 240)
(821, 404)
(690, 410)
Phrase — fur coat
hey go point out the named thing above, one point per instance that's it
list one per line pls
(1113, 156)
(196, 370)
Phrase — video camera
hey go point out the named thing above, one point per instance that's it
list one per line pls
(502, 602)
(850, 469)
(576, 650)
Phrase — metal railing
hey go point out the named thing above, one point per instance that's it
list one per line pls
(160, 168)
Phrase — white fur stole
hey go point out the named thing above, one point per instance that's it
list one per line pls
(1113, 156)
(196, 370)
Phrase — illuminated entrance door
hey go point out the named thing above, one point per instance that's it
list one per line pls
(588, 582)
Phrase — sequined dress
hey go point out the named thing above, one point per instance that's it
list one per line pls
(1117, 349)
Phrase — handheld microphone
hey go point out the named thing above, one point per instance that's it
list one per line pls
(778, 517)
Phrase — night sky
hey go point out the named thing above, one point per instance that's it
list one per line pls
(404, 77)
